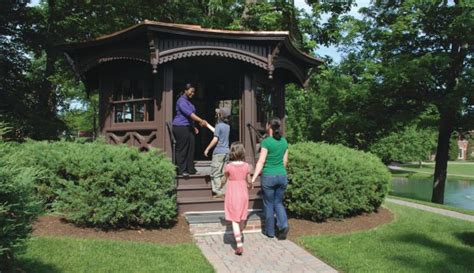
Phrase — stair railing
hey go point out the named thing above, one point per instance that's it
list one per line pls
(259, 136)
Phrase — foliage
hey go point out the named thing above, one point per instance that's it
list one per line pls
(415, 241)
(102, 185)
(334, 181)
(453, 148)
(470, 149)
(18, 208)
(423, 55)
(411, 144)
(302, 114)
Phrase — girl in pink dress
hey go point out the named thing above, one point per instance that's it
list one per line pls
(237, 177)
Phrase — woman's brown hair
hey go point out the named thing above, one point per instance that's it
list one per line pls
(237, 152)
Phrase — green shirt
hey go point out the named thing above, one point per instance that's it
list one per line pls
(274, 161)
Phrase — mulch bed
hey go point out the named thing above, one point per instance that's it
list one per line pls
(56, 226)
(300, 227)
(179, 233)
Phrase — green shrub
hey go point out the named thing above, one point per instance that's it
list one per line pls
(103, 185)
(410, 144)
(329, 181)
(453, 149)
(18, 208)
(470, 150)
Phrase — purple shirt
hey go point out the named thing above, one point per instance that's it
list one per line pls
(184, 109)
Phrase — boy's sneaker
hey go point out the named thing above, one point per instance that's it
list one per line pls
(219, 196)
(283, 233)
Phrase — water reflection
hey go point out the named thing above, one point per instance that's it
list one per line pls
(458, 193)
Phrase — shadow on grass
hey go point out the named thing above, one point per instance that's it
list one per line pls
(466, 238)
(396, 171)
(31, 265)
(455, 258)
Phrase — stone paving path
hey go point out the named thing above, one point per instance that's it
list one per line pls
(444, 212)
(261, 255)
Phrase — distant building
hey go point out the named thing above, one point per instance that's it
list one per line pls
(464, 150)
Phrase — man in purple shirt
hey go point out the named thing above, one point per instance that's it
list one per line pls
(184, 130)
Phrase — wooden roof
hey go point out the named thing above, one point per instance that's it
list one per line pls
(198, 31)
(157, 43)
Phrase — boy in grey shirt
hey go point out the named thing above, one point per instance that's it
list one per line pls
(221, 153)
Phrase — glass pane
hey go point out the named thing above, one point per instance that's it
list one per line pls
(128, 112)
(139, 111)
(263, 97)
(118, 113)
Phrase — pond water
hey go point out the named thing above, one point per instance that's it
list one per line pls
(458, 192)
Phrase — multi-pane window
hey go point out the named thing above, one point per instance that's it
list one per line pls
(132, 101)
(266, 109)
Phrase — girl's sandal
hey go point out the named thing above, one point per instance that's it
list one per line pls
(239, 251)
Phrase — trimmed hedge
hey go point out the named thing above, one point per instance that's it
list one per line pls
(333, 181)
(103, 185)
(18, 207)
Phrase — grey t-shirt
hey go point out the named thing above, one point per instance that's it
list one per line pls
(222, 131)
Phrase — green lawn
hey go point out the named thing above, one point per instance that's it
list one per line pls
(454, 168)
(416, 241)
(54, 255)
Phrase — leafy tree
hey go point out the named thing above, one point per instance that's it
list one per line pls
(411, 144)
(453, 148)
(424, 56)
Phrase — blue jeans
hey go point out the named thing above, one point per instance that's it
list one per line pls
(274, 187)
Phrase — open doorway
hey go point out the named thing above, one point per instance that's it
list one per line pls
(218, 83)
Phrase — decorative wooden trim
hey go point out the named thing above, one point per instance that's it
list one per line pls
(286, 64)
(153, 50)
(130, 126)
(112, 56)
(133, 139)
(226, 52)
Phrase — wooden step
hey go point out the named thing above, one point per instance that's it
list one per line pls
(194, 179)
(212, 204)
(202, 163)
(192, 190)
(212, 223)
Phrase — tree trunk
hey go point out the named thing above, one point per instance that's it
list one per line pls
(442, 151)
(94, 124)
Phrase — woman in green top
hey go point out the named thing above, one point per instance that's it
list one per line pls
(273, 160)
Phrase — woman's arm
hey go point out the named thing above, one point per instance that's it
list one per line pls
(199, 120)
(260, 163)
(285, 159)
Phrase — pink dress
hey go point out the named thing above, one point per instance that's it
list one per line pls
(237, 194)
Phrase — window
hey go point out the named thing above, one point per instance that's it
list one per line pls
(132, 101)
(266, 109)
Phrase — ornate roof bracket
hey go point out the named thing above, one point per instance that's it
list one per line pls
(270, 59)
(308, 77)
(226, 52)
(153, 50)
